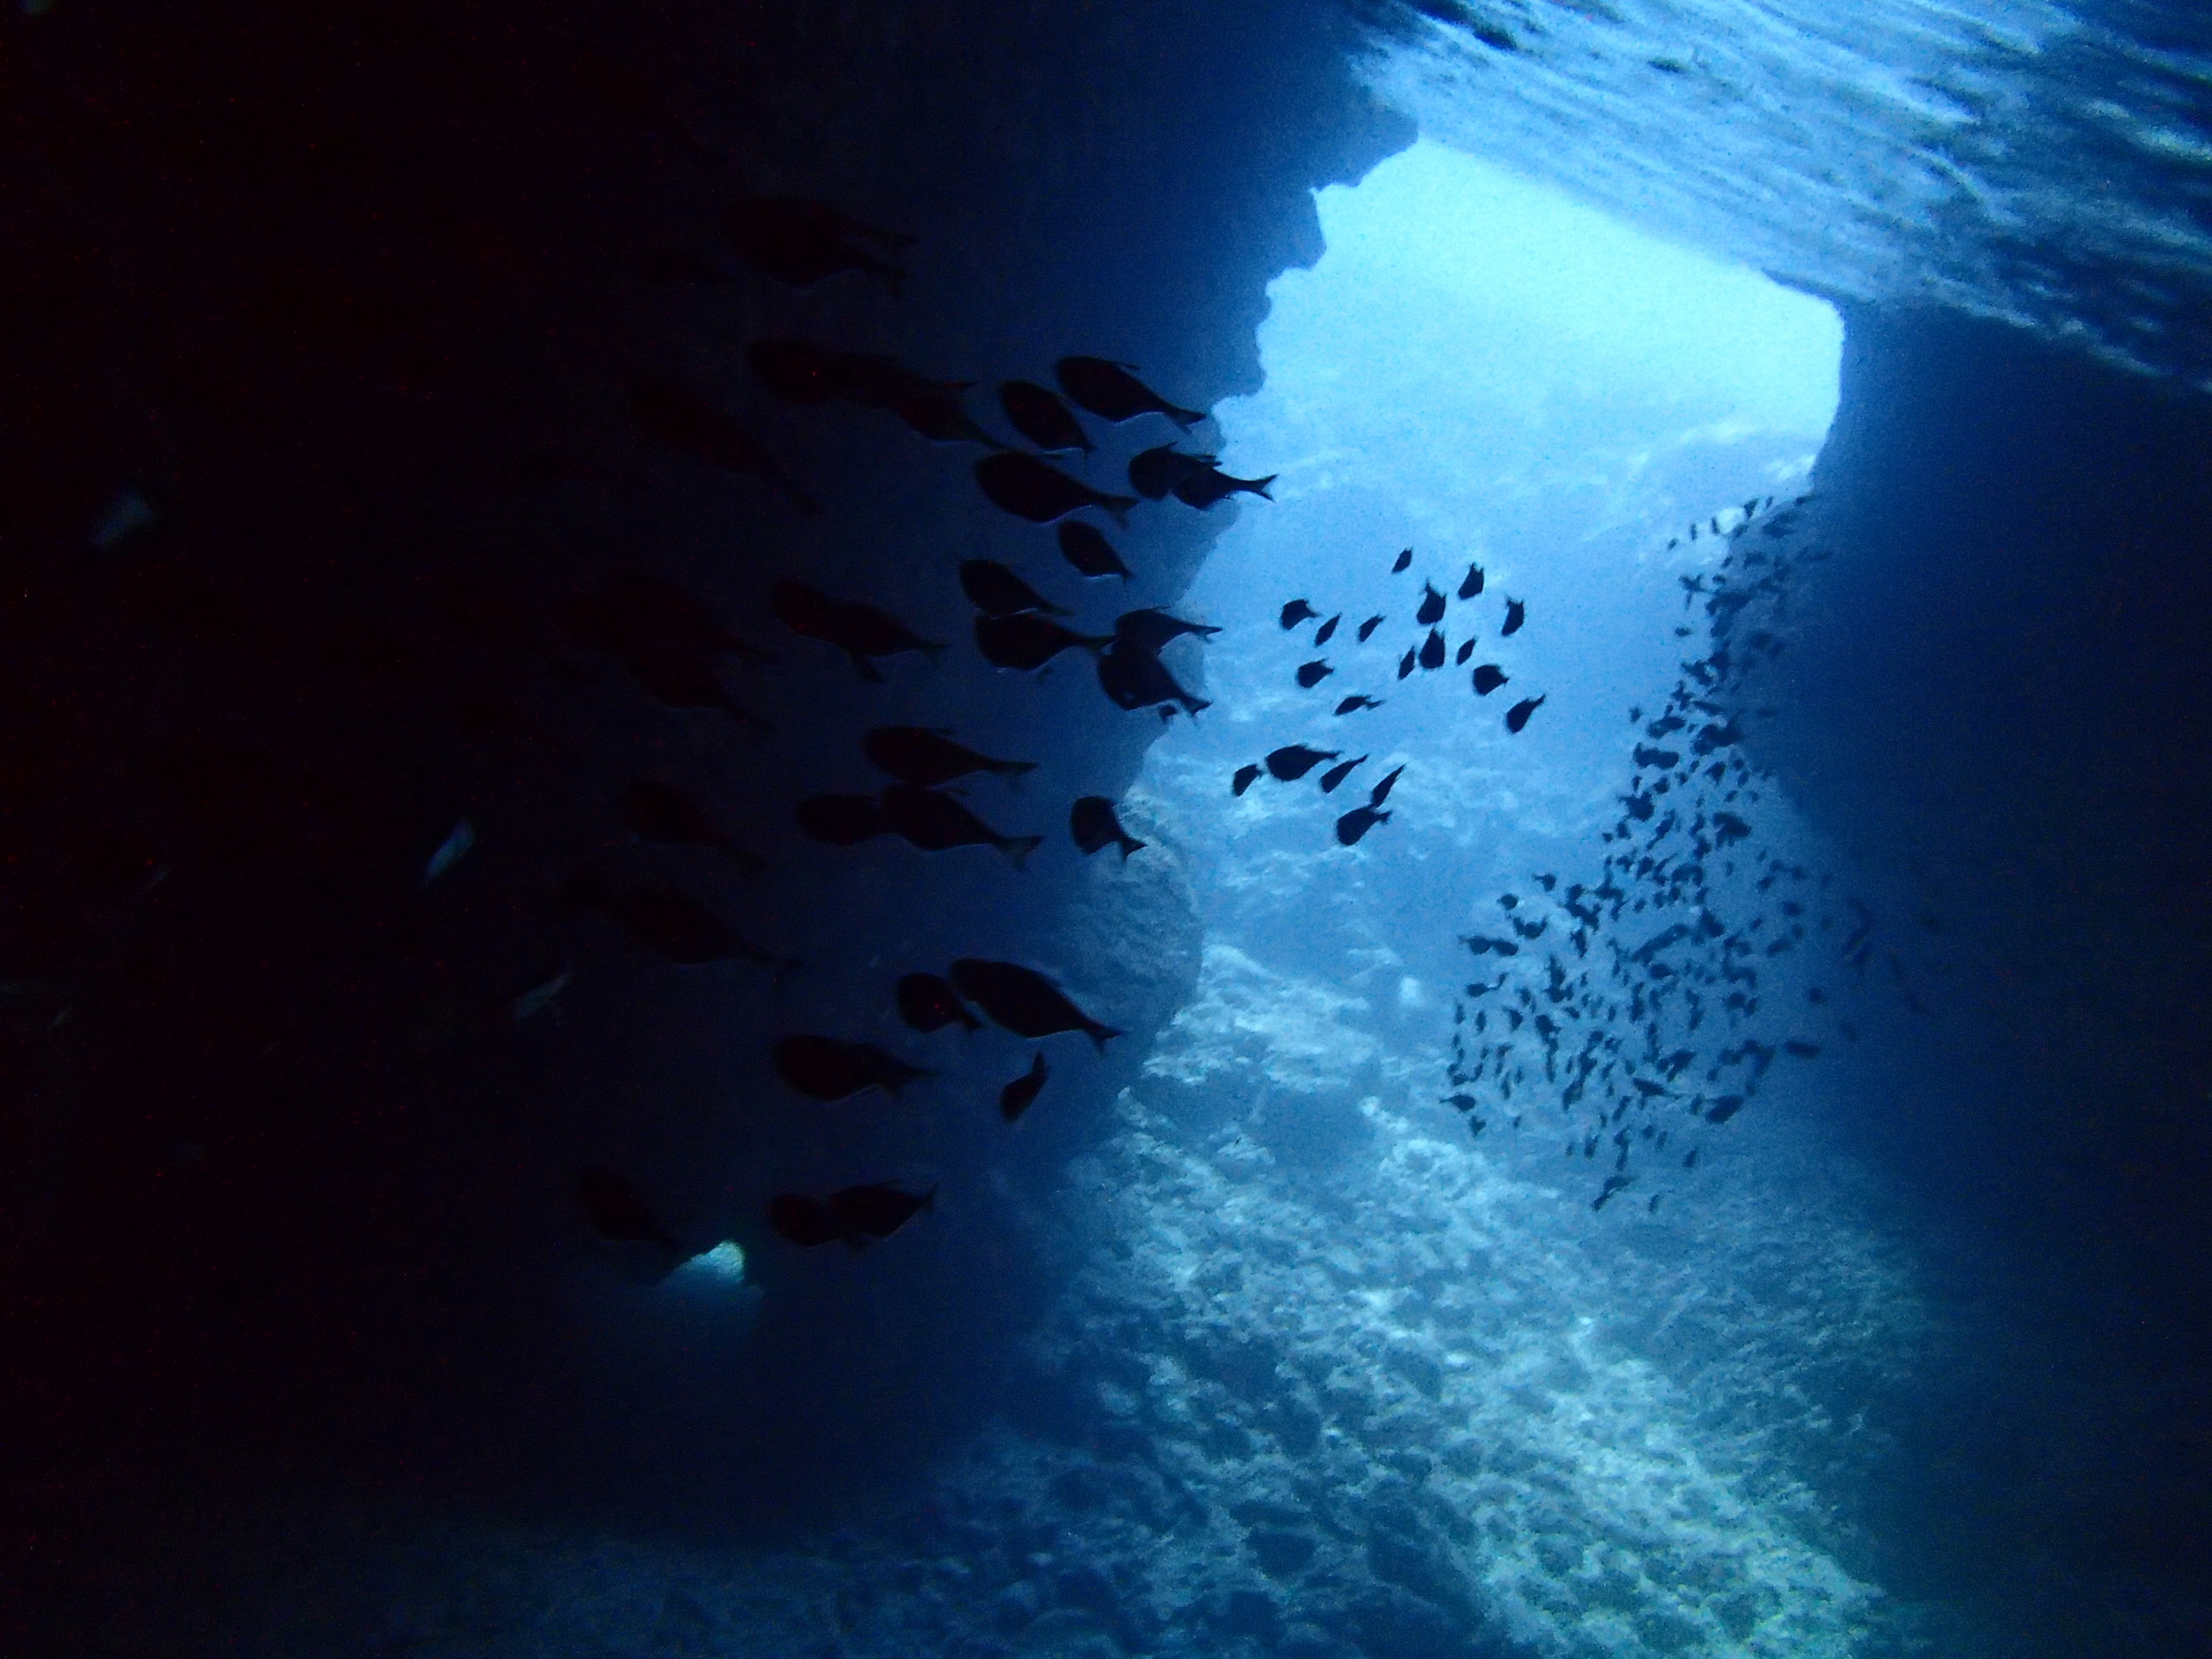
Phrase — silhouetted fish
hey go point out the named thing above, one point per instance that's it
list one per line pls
(851, 1216)
(1153, 473)
(996, 591)
(1724, 1108)
(661, 813)
(1367, 628)
(684, 679)
(1406, 662)
(1023, 1001)
(810, 375)
(1381, 793)
(1244, 779)
(1432, 650)
(1357, 822)
(928, 757)
(682, 421)
(1209, 486)
(1466, 649)
(1027, 487)
(1092, 822)
(1405, 558)
(1042, 418)
(842, 820)
(803, 243)
(1148, 630)
(1312, 674)
(670, 924)
(1362, 702)
(1432, 607)
(1020, 1095)
(1085, 547)
(1516, 614)
(1293, 760)
(859, 630)
(1472, 583)
(619, 1212)
(1517, 716)
(1488, 678)
(1616, 1183)
(1327, 630)
(1296, 612)
(1108, 390)
(942, 417)
(832, 1069)
(1029, 642)
(937, 823)
(929, 1003)
(450, 851)
(1337, 773)
(1132, 677)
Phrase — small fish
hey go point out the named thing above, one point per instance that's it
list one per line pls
(941, 417)
(1042, 418)
(1337, 773)
(1312, 674)
(801, 243)
(1093, 823)
(860, 630)
(1724, 1108)
(1432, 650)
(842, 820)
(1153, 473)
(1516, 614)
(852, 1216)
(1020, 1095)
(539, 997)
(928, 757)
(1245, 777)
(1488, 678)
(1802, 1049)
(684, 679)
(1100, 387)
(1357, 822)
(1327, 630)
(670, 924)
(1361, 701)
(1381, 793)
(1517, 716)
(681, 421)
(667, 817)
(1296, 612)
(1209, 486)
(1472, 583)
(810, 375)
(1132, 677)
(1293, 760)
(450, 851)
(1028, 642)
(929, 1003)
(996, 591)
(829, 1069)
(1432, 607)
(1023, 1001)
(935, 823)
(1466, 649)
(619, 1212)
(1614, 1184)
(1149, 630)
(1027, 487)
(1085, 547)
(1406, 662)
(1405, 558)
(1367, 628)
(1689, 1159)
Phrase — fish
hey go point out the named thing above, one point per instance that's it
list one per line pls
(1517, 716)
(942, 417)
(1293, 760)
(1361, 701)
(629, 615)
(860, 630)
(670, 924)
(927, 756)
(928, 1003)
(1042, 418)
(1149, 630)
(1093, 823)
(1337, 773)
(1023, 1001)
(1724, 1108)
(831, 1068)
(1135, 678)
(619, 1212)
(1614, 1184)
(1100, 387)
(1432, 650)
(539, 997)
(1472, 583)
(1245, 777)
(1020, 1095)
(842, 820)
(1357, 822)
(852, 1216)
(1209, 486)
(1405, 558)
(1406, 662)
(1689, 1159)
(1153, 473)
(1381, 793)
(1296, 612)
(1028, 642)
(1312, 674)
(1516, 614)
(1027, 487)
(1466, 649)
(996, 591)
(680, 419)
(801, 243)
(450, 851)
(1367, 628)
(1323, 634)
(810, 376)
(1087, 549)
(666, 816)
(1432, 607)
(935, 823)
(684, 679)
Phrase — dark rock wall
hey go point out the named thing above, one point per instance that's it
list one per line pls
(351, 295)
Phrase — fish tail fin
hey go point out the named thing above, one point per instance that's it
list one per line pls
(1260, 485)
(1131, 844)
(934, 650)
(1191, 706)
(1185, 418)
(1117, 507)
(1099, 1034)
(1018, 847)
(1014, 772)
(865, 669)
